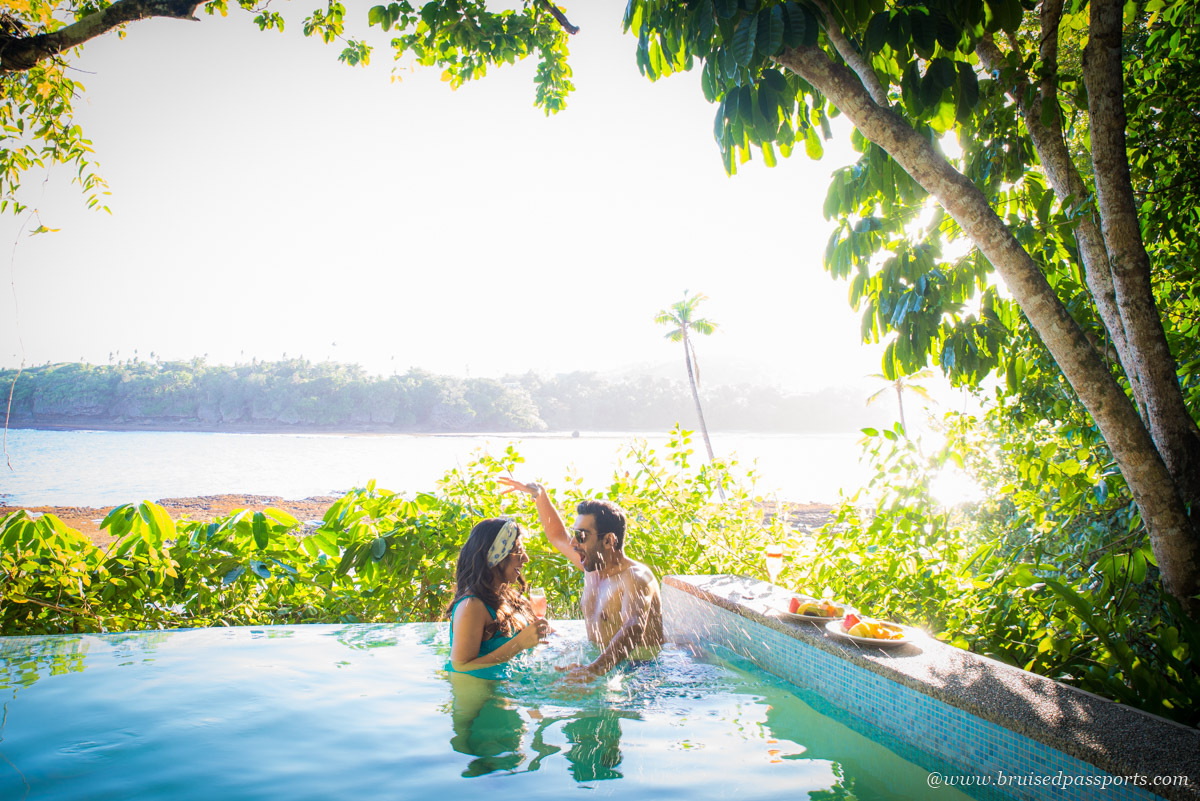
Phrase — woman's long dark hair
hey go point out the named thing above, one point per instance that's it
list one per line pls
(474, 577)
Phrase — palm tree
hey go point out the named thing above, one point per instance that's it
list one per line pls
(681, 317)
(901, 385)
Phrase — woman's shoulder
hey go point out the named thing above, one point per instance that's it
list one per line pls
(472, 606)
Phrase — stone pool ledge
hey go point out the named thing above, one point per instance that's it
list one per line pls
(1116, 739)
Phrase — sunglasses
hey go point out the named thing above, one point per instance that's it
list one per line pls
(579, 534)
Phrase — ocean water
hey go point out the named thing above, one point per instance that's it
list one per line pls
(107, 468)
(366, 711)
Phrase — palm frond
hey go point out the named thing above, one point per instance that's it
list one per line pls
(876, 395)
(920, 392)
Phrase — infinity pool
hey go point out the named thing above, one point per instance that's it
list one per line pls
(365, 711)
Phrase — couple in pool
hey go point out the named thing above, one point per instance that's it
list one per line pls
(491, 620)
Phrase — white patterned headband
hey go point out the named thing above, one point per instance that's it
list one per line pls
(503, 544)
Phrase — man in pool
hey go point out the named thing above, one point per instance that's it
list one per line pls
(621, 603)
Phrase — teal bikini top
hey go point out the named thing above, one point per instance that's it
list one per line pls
(499, 671)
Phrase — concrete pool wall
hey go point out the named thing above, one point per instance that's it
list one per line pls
(1014, 733)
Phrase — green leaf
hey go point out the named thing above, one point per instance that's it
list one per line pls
(326, 541)
(899, 31)
(877, 29)
(1049, 113)
(744, 36)
(1008, 14)
(774, 80)
(281, 517)
(966, 95)
(910, 87)
(812, 144)
(924, 31)
(947, 34)
(262, 530)
(159, 523)
(931, 89)
(378, 548)
(800, 26)
(943, 71)
(726, 8)
(705, 24)
(119, 520)
(768, 154)
(769, 40)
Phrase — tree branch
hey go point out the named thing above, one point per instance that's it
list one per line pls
(558, 15)
(22, 53)
(852, 57)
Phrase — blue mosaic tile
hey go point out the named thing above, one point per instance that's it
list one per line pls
(925, 730)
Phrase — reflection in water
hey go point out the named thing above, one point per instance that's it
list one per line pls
(24, 660)
(485, 725)
(595, 742)
(491, 727)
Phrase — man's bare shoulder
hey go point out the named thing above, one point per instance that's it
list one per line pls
(641, 576)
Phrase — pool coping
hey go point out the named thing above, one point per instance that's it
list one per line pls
(1116, 738)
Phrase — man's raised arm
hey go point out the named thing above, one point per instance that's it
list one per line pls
(551, 520)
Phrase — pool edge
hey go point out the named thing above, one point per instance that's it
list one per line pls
(1114, 738)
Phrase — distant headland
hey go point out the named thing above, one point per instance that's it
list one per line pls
(293, 395)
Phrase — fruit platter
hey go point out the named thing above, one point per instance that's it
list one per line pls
(812, 610)
(869, 631)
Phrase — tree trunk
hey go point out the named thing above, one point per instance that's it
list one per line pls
(1174, 432)
(900, 401)
(1175, 541)
(687, 356)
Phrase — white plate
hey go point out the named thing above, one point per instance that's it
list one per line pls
(835, 627)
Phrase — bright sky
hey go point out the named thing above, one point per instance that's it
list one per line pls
(268, 200)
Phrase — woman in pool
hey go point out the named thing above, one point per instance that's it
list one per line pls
(491, 620)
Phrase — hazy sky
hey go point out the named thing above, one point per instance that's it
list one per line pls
(267, 199)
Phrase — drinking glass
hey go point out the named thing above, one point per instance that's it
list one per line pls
(537, 598)
(774, 560)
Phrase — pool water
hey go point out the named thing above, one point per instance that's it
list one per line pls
(366, 711)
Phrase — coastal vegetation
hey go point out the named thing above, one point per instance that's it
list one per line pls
(978, 578)
(295, 394)
(1048, 146)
